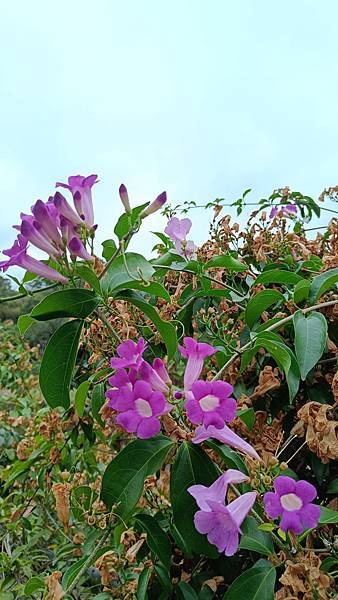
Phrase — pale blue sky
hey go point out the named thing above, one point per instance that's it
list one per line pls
(203, 99)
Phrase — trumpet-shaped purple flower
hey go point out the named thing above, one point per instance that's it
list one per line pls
(287, 209)
(186, 249)
(222, 524)
(124, 198)
(218, 490)
(291, 501)
(210, 403)
(140, 408)
(81, 189)
(130, 354)
(18, 257)
(66, 210)
(77, 248)
(120, 381)
(226, 436)
(156, 376)
(48, 218)
(32, 231)
(178, 229)
(154, 206)
(195, 352)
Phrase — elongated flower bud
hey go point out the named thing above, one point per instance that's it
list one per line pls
(124, 198)
(154, 206)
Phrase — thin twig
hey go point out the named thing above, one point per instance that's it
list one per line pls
(109, 326)
(29, 293)
(271, 328)
(89, 560)
(221, 283)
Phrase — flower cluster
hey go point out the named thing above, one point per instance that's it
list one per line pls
(222, 523)
(55, 228)
(288, 210)
(138, 390)
(177, 230)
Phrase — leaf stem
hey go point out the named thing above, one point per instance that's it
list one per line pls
(89, 560)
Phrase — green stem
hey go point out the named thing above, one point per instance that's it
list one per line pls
(271, 328)
(104, 320)
(88, 561)
(221, 283)
(18, 296)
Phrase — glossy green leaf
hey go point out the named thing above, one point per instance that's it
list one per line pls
(229, 456)
(153, 288)
(186, 592)
(259, 303)
(142, 584)
(24, 322)
(278, 276)
(80, 397)
(301, 291)
(72, 571)
(109, 248)
(165, 581)
(139, 270)
(88, 275)
(310, 339)
(75, 302)
(123, 479)
(226, 261)
(98, 400)
(34, 584)
(323, 282)
(257, 583)
(332, 488)
(157, 540)
(247, 415)
(327, 515)
(192, 466)
(58, 363)
(165, 328)
(255, 539)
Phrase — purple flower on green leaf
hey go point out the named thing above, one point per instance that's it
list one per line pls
(226, 436)
(216, 491)
(210, 403)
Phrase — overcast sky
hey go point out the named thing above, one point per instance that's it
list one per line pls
(202, 99)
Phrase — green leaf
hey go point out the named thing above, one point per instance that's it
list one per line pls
(247, 415)
(142, 584)
(24, 322)
(260, 302)
(74, 302)
(164, 580)
(226, 261)
(34, 584)
(230, 457)
(310, 339)
(98, 400)
(157, 540)
(257, 583)
(323, 282)
(330, 563)
(275, 346)
(327, 515)
(80, 397)
(109, 248)
(332, 488)
(154, 288)
(89, 276)
(58, 363)
(72, 571)
(165, 328)
(278, 276)
(122, 226)
(123, 479)
(301, 291)
(82, 499)
(255, 539)
(117, 275)
(186, 592)
(192, 466)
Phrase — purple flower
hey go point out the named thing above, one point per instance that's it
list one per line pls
(195, 352)
(217, 491)
(33, 232)
(140, 408)
(124, 198)
(286, 209)
(226, 436)
(177, 229)
(121, 380)
(210, 403)
(48, 218)
(157, 376)
(77, 248)
(18, 257)
(66, 210)
(291, 500)
(130, 354)
(222, 523)
(81, 189)
(154, 206)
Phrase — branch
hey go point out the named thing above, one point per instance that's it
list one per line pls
(88, 561)
(271, 328)
(221, 283)
(18, 296)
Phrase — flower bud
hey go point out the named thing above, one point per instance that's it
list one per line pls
(124, 198)
(154, 206)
